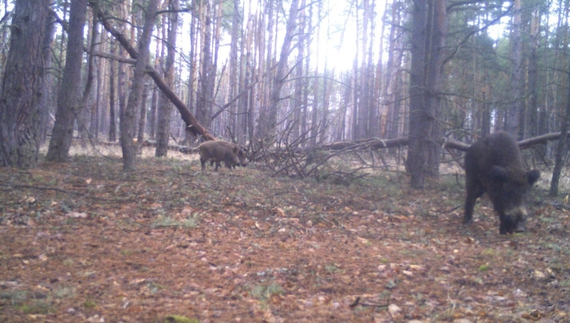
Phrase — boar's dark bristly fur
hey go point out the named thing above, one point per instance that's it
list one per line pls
(241, 154)
(218, 151)
(494, 165)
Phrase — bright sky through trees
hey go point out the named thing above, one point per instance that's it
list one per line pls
(337, 28)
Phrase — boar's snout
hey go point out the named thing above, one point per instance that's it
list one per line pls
(514, 220)
(242, 156)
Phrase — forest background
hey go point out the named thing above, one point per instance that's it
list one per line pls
(266, 73)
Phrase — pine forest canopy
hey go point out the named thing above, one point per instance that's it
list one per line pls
(261, 72)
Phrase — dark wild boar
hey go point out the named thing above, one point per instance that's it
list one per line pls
(241, 154)
(494, 165)
(218, 151)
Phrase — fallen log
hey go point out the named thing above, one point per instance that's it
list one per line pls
(447, 143)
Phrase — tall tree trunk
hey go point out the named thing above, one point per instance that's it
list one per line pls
(327, 88)
(390, 76)
(268, 116)
(165, 107)
(560, 149)
(128, 116)
(300, 82)
(46, 100)
(356, 108)
(142, 119)
(208, 73)
(515, 114)
(87, 98)
(393, 80)
(152, 117)
(22, 84)
(70, 91)
(565, 117)
(417, 152)
(533, 108)
(234, 70)
(428, 40)
(438, 25)
(112, 102)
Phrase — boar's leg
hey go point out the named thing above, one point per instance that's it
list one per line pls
(474, 191)
(203, 162)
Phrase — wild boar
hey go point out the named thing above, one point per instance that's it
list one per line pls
(494, 165)
(218, 151)
(241, 154)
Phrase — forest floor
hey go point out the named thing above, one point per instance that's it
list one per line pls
(84, 242)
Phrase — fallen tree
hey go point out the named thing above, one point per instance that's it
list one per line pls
(446, 143)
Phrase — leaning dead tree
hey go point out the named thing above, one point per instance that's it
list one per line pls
(192, 123)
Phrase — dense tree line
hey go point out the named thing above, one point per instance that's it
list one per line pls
(272, 72)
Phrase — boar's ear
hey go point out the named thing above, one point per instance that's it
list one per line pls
(235, 150)
(499, 173)
(533, 176)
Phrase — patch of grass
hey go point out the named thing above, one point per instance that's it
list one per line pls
(565, 283)
(179, 319)
(154, 287)
(333, 268)
(89, 304)
(14, 297)
(63, 292)
(391, 284)
(264, 292)
(484, 267)
(37, 307)
(555, 247)
(168, 222)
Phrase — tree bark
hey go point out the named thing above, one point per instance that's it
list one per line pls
(128, 117)
(46, 99)
(142, 118)
(69, 102)
(22, 84)
(532, 128)
(515, 114)
(208, 73)
(87, 98)
(428, 40)
(165, 107)
(112, 105)
(417, 152)
(560, 149)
